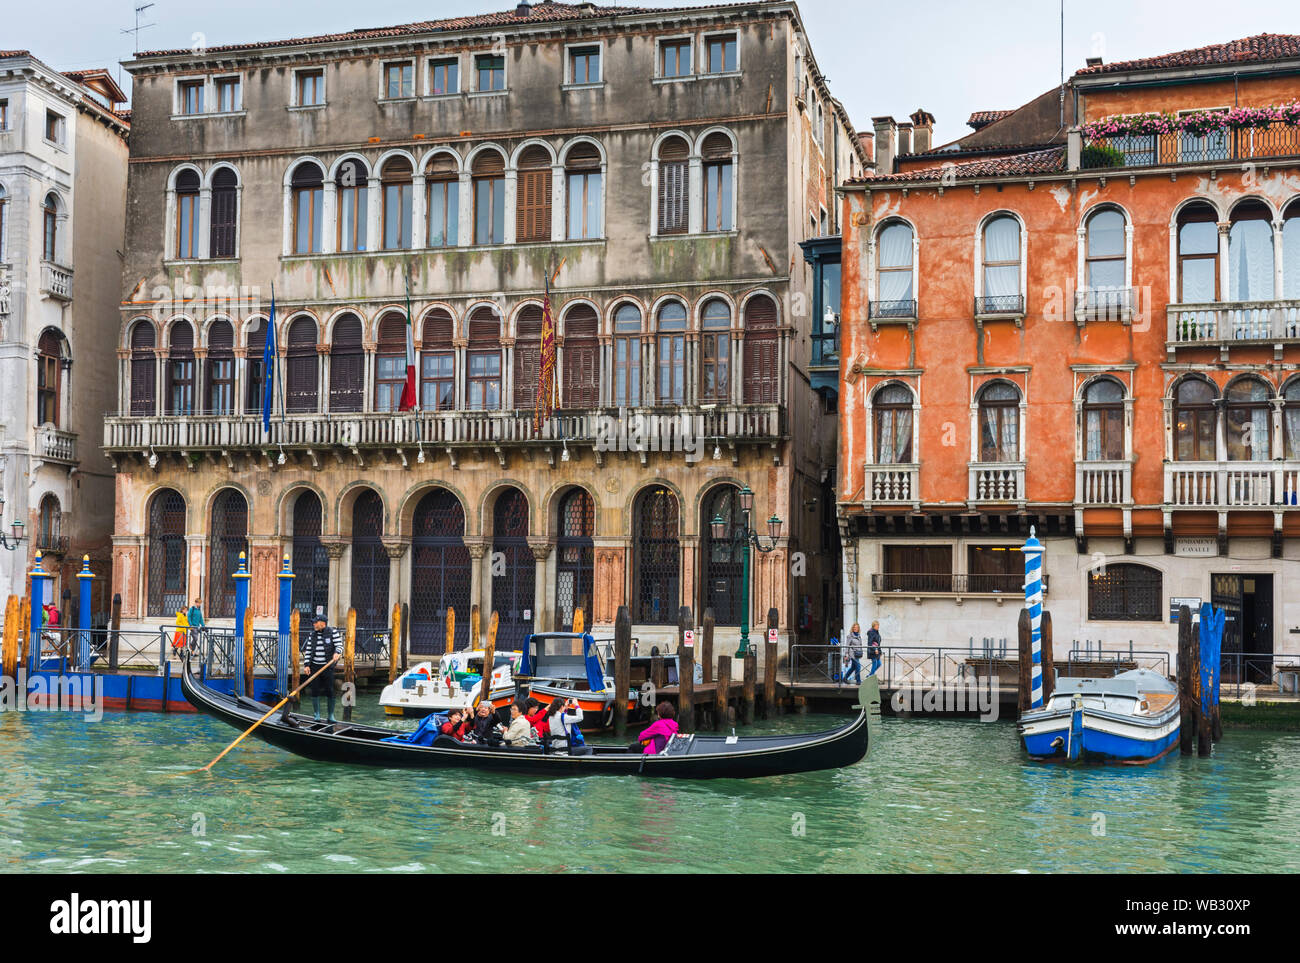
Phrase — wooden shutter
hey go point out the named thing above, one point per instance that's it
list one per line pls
(674, 207)
(762, 350)
(224, 214)
(143, 381)
(347, 365)
(301, 366)
(533, 196)
(484, 328)
(528, 356)
(437, 331)
(581, 358)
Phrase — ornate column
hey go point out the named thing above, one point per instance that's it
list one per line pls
(478, 550)
(541, 546)
(396, 548)
(335, 546)
(196, 583)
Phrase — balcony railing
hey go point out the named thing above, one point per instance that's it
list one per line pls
(997, 482)
(54, 444)
(826, 350)
(56, 280)
(1232, 484)
(1103, 304)
(885, 312)
(1000, 305)
(950, 583)
(1103, 483)
(52, 543)
(1159, 150)
(1224, 322)
(893, 485)
(610, 429)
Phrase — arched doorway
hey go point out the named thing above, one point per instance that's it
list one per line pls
(440, 573)
(514, 572)
(229, 536)
(166, 553)
(723, 560)
(369, 570)
(311, 562)
(657, 562)
(574, 558)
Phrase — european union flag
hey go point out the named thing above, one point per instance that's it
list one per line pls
(268, 368)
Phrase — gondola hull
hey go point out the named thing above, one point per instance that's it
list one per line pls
(698, 757)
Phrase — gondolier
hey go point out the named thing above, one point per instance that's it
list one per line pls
(323, 646)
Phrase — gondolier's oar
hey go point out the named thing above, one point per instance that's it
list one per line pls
(268, 715)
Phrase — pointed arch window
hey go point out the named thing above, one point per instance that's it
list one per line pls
(891, 410)
(1000, 248)
(895, 296)
(1103, 421)
(999, 419)
(1106, 263)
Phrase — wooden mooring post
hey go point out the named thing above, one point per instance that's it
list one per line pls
(395, 643)
(722, 697)
(1203, 739)
(349, 664)
(475, 627)
(1188, 666)
(622, 669)
(685, 672)
(451, 630)
(406, 634)
(115, 631)
(489, 657)
(248, 651)
(1024, 661)
(748, 685)
(1049, 670)
(706, 645)
(770, 707)
(9, 657)
(295, 653)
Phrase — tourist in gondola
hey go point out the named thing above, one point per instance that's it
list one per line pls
(483, 727)
(455, 725)
(560, 715)
(659, 733)
(535, 713)
(322, 648)
(520, 731)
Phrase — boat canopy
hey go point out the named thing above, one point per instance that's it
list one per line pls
(1131, 683)
(529, 665)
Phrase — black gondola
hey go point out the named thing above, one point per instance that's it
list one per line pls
(688, 757)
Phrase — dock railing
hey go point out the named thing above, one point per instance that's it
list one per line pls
(910, 666)
(1243, 673)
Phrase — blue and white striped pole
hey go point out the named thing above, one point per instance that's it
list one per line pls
(84, 578)
(39, 578)
(1033, 550)
(282, 649)
(241, 578)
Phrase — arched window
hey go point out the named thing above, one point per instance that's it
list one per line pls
(483, 358)
(894, 293)
(891, 410)
(674, 186)
(1291, 251)
(180, 370)
(1250, 253)
(489, 180)
(396, 180)
(351, 189)
(583, 188)
(1103, 421)
(719, 182)
(671, 351)
(1001, 253)
(256, 370)
(220, 379)
(528, 355)
(301, 366)
(1194, 419)
(225, 213)
(513, 592)
(370, 569)
(347, 365)
(1248, 420)
(1291, 419)
(167, 553)
(657, 564)
(1125, 592)
(723, 560)
(311, 562)
(1105, 262)
(574, 557)
(581, 357)
(4, 200)
(1198, 254)
(440, 573)
(187, 214)
(715, 351)
(49, 378)
(762, 373)
(999, 416)
(50, 526)
(390, 362)
(627, 355)
(143, 370)
(442, 191)
(308, 186)
(229, 534)
(437, 363)
(533, 196)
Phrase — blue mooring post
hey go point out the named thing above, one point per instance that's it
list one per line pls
(39, 578)
(84, 578)
(241, 578)
(282, 649)
(1033, 550)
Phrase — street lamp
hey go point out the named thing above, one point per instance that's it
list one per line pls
(6, 542)
(742, 536)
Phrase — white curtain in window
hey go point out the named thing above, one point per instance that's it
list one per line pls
(1291, 427)
(1002, 243)
(895, 436)
(1291, 257)
(1092, 431)
(895, 251)
(1261, 435)
(1250, 259)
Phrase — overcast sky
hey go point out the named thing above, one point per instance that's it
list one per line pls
(947, 56)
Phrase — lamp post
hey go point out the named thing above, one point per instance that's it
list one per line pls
(5, 541)
(742, 536)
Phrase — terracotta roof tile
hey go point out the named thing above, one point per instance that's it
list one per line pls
(1262, 47)
(982, 118)
(1048, 161)
(15, 53)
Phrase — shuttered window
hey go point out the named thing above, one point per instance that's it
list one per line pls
(220, 380)
(581, 358)
(627, 355)
(528, 353)
(390, 362)
(256, 371)
(225, 213)
(674, 207)
(762, 349)
(187, 218)
(180, 370)
(715, 351)
(142, 370)
(483, 358)
(347, 365)
(438, 363)
(533, 196)
(301, 372)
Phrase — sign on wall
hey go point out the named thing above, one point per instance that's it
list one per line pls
(1176, 603)
(1196, 547)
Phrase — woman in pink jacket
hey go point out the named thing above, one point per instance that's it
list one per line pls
(659, 733)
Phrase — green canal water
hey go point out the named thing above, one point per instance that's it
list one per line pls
(933, 795)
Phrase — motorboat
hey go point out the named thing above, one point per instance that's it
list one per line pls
(454, 682)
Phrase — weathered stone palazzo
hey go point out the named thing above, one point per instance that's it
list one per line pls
(667, 163)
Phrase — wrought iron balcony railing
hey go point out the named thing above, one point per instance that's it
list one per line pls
(951, 583)
(1226, 144)
(999, 305)
(892, 310)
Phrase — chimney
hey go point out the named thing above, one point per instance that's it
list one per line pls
(904, 138)
(1094, 61)
(524, 9)
(886, 138)
(868, 142)
(922, 131)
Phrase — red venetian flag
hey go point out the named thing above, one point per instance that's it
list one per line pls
(408, 389)
(545, 402)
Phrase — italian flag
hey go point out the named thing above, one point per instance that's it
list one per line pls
(408, 390)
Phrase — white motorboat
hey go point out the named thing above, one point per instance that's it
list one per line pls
(453, 682)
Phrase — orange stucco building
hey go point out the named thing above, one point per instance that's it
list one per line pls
(1095, 334)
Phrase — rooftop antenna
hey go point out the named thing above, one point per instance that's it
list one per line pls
(1062, 64)
(139, 9)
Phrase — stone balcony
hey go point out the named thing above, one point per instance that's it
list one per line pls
(1232, 485)
(1224, 324)
(56, 281)
(892, 485)
(1103, 483)
(56, 445)
(996, 483)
